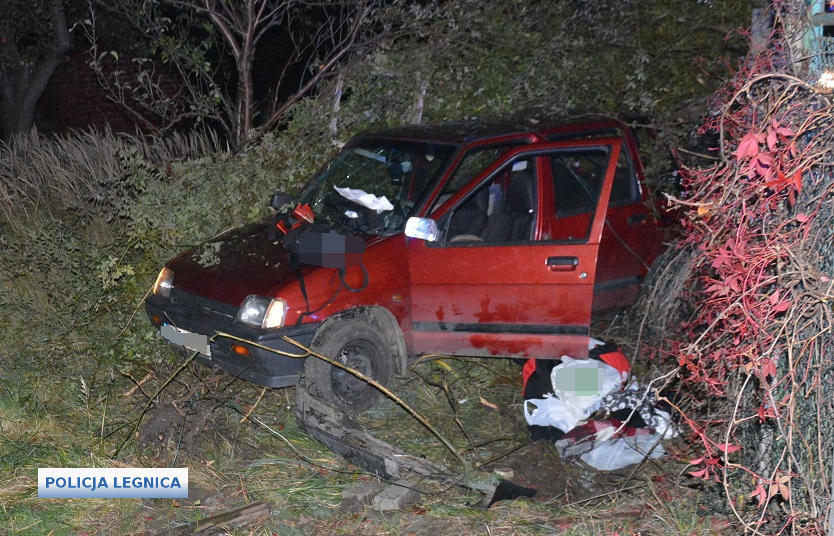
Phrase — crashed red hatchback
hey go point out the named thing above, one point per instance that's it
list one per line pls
(484, 239)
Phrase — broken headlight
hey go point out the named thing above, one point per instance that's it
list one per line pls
(262, 312)
(164, 283)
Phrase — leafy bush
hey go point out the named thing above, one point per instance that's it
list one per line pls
(87, 221)
(755, 357)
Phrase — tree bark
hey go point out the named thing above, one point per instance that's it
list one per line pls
(22, 87)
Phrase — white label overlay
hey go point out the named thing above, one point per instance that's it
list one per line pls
(63, 483)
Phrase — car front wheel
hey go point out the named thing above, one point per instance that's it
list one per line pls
(358, 345)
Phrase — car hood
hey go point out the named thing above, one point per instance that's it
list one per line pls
(237, 263)
(233, 265)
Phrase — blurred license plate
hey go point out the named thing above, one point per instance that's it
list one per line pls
(192, 341)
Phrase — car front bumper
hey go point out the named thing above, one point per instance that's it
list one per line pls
(201, 316)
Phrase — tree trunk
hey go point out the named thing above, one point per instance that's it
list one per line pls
(22, 87)
(245, 94)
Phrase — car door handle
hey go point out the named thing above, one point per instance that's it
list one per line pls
(637, 219)
(562, 264)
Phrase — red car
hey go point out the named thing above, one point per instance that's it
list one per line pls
(484, 239)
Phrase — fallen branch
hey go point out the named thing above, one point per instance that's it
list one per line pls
(246, 516)
(384, 390)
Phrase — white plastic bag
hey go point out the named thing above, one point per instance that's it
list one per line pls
(380, 204)
(613, 454)
(550, 411)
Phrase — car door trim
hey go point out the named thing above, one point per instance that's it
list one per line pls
(536, 329)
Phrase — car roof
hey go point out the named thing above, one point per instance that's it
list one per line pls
(460, 132)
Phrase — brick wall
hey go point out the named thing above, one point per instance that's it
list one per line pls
(75, 100)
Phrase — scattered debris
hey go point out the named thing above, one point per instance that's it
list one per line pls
(589, 411)
(397, 496)
(346, 437)
(357, 498)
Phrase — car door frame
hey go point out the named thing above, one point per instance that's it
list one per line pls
(446, 275)
(631, 232)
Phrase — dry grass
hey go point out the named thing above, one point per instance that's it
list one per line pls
(78, 169)
(267, 458)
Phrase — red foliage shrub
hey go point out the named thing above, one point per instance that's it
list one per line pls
(757, 354)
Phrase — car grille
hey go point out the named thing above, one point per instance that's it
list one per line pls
(201, 305)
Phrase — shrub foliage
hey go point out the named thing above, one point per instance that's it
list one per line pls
(757, 353)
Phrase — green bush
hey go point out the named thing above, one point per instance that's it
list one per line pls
(87, 221)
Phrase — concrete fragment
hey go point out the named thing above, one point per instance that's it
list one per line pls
(357, 498)
(396, 497)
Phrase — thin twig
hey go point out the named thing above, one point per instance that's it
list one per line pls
(387, 392)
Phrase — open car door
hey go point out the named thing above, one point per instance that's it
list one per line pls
(508, 275)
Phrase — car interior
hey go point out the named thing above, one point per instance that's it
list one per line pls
(501, 210)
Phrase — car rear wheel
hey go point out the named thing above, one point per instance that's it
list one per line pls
(357, 344)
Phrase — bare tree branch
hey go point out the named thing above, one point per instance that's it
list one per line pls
(211, 46)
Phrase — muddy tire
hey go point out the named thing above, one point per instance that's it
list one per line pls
(361, 346)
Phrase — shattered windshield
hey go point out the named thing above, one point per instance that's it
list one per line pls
(374, 185)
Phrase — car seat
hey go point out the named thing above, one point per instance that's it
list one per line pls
(471, 217)
(513, 223)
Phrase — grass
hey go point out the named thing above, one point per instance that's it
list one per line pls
(233, 463)
(56, 420)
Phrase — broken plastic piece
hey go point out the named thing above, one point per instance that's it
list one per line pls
(303, 213)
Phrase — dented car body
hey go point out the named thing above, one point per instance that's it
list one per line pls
(485, 239)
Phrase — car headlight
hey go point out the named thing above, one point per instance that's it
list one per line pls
(164, 283)
(262, 312)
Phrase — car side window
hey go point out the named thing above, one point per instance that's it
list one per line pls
(473, 162)
(500, 210)
(625, 188)
(577, 179)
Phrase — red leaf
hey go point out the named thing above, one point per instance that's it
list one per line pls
(720, 260)
(783, 305)
(762, 163)
(703, 474)
(785, 132)
(797, 180)
(772, 139)
(760, 494)
(803, 218)
(727, 447)
(748, 147)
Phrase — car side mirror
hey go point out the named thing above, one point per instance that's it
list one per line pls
(280, 200)
(422, 228)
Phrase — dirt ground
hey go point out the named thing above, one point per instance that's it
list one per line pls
(477, 406)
